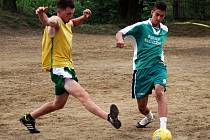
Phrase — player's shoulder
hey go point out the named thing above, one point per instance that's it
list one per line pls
(140, 23)
(164, 27)
(57, 18)
(137, 25)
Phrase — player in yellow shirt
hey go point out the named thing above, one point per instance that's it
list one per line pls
(57, 59)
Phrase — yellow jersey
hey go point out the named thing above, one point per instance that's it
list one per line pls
(57, 50)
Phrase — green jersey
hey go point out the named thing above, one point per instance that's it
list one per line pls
(148, 43)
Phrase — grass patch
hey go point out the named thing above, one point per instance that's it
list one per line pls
(17, 21)
(189, 28)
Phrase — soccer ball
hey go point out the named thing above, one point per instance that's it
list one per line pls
(162, 134)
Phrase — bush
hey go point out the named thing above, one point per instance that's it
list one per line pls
(28, 7)
(102, 11)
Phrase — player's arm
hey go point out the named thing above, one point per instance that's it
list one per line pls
(81, 19)
(41, 12)
(119, 39)
(129, 30)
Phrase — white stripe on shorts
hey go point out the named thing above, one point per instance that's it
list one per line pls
(134, 87)
(60, 71)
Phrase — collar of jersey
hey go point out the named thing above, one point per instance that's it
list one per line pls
(153, 28)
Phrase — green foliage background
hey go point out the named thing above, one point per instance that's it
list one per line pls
(106, 11)
(103, 11)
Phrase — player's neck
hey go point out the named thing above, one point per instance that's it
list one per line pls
(156, 25)
(61, 18)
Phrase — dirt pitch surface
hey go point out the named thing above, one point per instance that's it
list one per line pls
(105, 72)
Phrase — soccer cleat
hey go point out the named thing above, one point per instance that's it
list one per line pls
(113, 116)
(144, 122)
(29, 124)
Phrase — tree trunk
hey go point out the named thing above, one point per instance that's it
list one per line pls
(9, 5)
(175, 9)
(141, 9)
(123, 8)
(133, 11)
(130, 10)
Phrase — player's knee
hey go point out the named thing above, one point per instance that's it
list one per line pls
(84, 97)
(159, 94)
(58, 106)
(159, 91)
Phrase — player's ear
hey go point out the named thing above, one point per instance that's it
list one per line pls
(58, 10)
(152, 12)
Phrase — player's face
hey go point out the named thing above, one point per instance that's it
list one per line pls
(66, 14)
(157, 16)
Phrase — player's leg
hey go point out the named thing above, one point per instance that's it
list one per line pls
(142, 105)
(149, 117)
(162, 104)
(160, 87)
(141, 88)
(74, 88)
(58, 103)
(29, 119)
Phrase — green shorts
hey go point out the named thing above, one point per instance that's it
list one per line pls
(144, 80)
(58, 76)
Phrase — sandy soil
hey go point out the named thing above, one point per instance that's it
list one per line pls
(105, 72)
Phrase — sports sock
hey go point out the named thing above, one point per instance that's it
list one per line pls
(149, 115)
(163, 122)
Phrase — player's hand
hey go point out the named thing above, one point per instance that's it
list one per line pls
(41, 10)
(120, 44)
(87, 13)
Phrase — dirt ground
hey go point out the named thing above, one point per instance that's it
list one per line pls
(105, 72)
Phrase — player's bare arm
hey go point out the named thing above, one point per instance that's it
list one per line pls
(120, 42)
(41, 12)
(81, 19)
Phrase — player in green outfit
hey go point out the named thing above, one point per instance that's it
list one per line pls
(149, 69)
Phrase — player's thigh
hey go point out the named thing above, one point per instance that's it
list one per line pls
(142, 84)
(60, 100)
(159, 73)
(75, 89)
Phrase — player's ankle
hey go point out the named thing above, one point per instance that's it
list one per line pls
(150, 115)
(29, 117)
(163, 122)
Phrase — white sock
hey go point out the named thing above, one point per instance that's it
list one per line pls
(149, 115)
(163, 122)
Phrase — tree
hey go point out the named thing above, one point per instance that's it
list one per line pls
(134, 10)
(130, 10)
(175, 9)
(8, 5)
(191, 9)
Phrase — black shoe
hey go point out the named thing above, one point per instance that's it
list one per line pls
(113, 116)
(29, 124)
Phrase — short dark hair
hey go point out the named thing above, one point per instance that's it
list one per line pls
(63, 4)
(160, 5)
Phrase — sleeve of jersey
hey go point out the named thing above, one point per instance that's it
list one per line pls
(131, 30)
